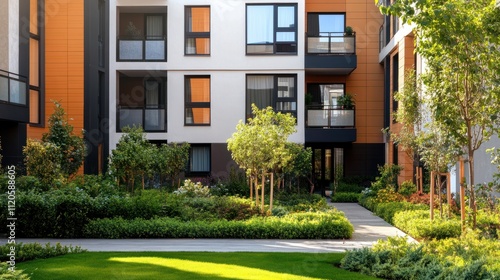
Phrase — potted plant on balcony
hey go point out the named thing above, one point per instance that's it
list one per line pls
(346, 101)
(348, 31)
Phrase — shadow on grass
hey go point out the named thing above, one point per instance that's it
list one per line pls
(189, 265)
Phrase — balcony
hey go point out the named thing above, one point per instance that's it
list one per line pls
(331, 53)
(150, 119)
(142, 49)
(330, 124)
(13, 97)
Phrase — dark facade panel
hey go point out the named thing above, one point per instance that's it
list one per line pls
(331, 64)
(363, 159)
(11, 112)
(13, 137)
(339, 135)
(221, 161)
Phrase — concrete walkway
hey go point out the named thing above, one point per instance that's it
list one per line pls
(368, 229)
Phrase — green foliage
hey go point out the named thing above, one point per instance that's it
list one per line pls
(26, 183)
(6, 274)
(319, 225)
(388, 177)
(301, 162)
(343, 186)
(42, 162)
(33, 251)
(171, 159)
(387, 210)
(417, 223)
(234, 184)
(296, 202)
(132, 157)
(441, 259)
(346, 197)
(407, 188)
(95, 185)
(191, 189)
(71, 148)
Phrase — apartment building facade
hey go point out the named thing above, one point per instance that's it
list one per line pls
(188, 71)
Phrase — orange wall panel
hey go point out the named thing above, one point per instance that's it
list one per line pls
(64, 43)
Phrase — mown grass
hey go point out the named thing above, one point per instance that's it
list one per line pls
(189, 265)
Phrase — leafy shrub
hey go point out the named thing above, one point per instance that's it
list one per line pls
(469, 258)
(417, 223)
(318, 225)
(297, 202)
(32, 251)
(388, 177)
(387, 210)
(191, 189)
(234, 184)
(388, 195)
(11, 275)
(95, 185)
(420, 198)
(26, 183)
(349, 187)
(346, 197)
(488, 222)
(407, 188)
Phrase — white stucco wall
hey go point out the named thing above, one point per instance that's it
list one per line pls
(9, 32)
(227, 66)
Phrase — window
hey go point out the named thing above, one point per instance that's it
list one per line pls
(197, 30)
(325, 24)
(197, 100)
(326, 34)
(35, 96)
(199, 158)
(272, 29)
(395, 81)
(277, 91)
(142, 103)
(325, 95)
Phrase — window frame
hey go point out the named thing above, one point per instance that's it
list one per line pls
(191, 104)
(276, 29)
(190, 160)
(274, 98)
(162, 103)
(189, 34)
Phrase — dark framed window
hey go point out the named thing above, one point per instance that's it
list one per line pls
(142, 102)
(395, 82)
(325, 95)
(197, 32)
(197, 100)
(199, 158)
(325, 24)
(277, 91)
(271, 29)
(36, 98)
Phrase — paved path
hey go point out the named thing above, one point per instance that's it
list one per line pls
(368, 229)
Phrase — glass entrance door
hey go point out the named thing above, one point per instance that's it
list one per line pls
(322, 168)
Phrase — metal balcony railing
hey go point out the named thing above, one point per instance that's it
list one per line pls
(331, 43)
(329, 116)
(13, 88)
(151, 118)
(137, 48)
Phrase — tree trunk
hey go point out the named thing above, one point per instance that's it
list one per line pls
(472, 200)
(271, 194)
(431, 195)
(250, 184)
(262, 194)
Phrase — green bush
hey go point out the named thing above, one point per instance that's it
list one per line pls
(387, 210)
(346, 197)
(191, 189)
(349, 187)
(466, 258)
(417, 223)
(298, 202)
(319, 225)
(32, 251)
(11, 275)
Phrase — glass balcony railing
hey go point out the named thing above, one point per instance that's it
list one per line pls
(141, 48)
(151, 119)
(329, 117)
(13, 88)
(331, 43)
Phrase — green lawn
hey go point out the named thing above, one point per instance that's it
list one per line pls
(188, 265)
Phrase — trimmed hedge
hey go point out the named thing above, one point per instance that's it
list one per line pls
(346, 197)
(417, 223)
(387, 210)
(319, 225)
(32, 251)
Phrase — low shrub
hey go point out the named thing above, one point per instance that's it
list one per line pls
(346, 197)
(417, 223)
(299, 202)
(191, 189)
(318, 225)
(407, 188)
(349, 187)
(387, 210)
(17, 274)
(465, 258)
(32, 251)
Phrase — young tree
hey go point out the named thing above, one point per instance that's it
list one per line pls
(300, 164)
(259, 145)
(72, 148)
(462, 74)
(132, 157)
(172, 160)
